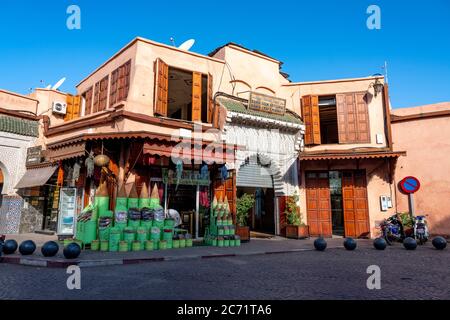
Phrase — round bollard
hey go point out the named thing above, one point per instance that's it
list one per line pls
(410, 244)
(379, 244)
(10, 246)
(439, 243)
(320, 244)
(50, 249)
(350, 244)
(27, 248)
(72, 251)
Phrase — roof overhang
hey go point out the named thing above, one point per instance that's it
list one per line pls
(308, 156)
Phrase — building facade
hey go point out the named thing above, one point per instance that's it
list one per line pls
(425, 132)
(203, 127)
(19, 131)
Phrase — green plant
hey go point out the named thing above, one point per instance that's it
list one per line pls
(243, 205)
(292, 211)
(406, 219)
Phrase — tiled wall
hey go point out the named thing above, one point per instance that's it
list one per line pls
(10, 214)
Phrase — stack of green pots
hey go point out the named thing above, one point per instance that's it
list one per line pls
(141, 235)
(114, 239)
(129, 236)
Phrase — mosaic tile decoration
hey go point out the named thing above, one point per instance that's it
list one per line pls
(10, 213)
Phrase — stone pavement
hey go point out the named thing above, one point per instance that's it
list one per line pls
(275, 245)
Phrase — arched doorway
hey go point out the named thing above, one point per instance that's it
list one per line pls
(256, 177)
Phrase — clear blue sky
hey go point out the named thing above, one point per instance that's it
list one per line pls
(316, 40)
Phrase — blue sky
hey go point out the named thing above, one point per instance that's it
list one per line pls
(316, 40)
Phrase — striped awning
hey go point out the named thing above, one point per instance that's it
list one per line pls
(66, 152)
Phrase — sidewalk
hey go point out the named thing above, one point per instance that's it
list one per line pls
(95, 258)
(89, 258)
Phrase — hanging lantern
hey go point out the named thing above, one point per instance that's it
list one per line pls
(101, 160)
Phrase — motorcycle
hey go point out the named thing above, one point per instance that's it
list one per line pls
(421, 229)
(392, 229)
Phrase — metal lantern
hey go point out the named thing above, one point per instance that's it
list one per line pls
(377, 87)
(101, 160)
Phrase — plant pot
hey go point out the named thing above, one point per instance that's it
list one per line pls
(297, 232)
(243, 233)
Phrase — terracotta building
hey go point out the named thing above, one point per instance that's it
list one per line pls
(198, 126)
(425, 132)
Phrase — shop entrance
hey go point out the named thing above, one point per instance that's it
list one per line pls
(337, 203)
(254, 178)
(261, 217)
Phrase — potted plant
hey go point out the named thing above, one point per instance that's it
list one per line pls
(243, 206)
(295, 228)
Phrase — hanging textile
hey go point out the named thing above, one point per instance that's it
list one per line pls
(224, 173)
(204, 171)
(179, 172)
(89, 163)
(60, 179)
(204, 197)
(76, 172)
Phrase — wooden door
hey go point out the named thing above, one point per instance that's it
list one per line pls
(356, 209)
(196, 96)
(318, 204)
(226, 188)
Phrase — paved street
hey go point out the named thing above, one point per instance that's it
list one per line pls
(334, 274)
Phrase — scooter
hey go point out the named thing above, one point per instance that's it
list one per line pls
(392, 229)
(421, 229)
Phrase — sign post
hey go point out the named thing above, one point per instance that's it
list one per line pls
(410, 185)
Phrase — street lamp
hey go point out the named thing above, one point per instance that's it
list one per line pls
(377, 86)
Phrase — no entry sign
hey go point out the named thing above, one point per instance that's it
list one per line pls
(410, 185)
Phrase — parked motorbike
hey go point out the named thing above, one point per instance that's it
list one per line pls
(421, 229)
(392, 229)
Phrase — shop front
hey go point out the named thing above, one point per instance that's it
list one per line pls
(343, 193)
(267, 169)
(140, 179)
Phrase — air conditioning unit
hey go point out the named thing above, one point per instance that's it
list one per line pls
(59, 107)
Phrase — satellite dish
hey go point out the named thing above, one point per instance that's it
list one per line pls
(48, 87)
(58, 84)
(187, 45)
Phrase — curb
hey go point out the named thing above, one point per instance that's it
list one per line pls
(61, 263)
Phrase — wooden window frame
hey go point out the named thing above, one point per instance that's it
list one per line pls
(342, 136)
(88, 102)
(209, 89)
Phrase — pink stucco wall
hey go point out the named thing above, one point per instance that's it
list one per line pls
(427, 142)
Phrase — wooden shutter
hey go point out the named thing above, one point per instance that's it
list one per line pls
(356, 208)
(196, 96)
(88, 101)
(76, 111)
(162, 88)
(362, 116)
(228, 188)
(96, 97)
(311, 117)
(210, 98)
(114, 87)
(103, 94)
(353, 118)
(318, 204)
(69, 113)
(126, 80)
